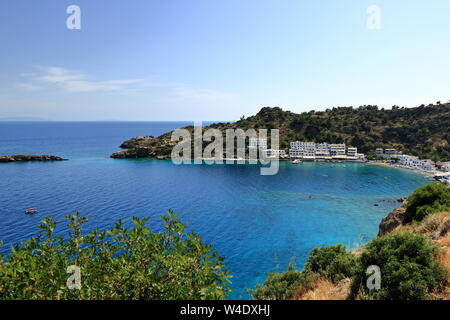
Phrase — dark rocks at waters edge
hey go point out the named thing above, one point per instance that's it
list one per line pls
(394, 219)
(140, 152)
(392, 201)
(28, 157)
(145, 147)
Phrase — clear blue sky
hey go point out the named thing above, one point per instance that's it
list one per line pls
(218, 59)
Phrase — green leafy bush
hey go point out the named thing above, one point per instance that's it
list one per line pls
(281, 286)
(118, 263)
(409, 270)
(430, 199)
(333, 262)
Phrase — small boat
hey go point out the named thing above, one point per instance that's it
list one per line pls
(31, 211)
(296, 161)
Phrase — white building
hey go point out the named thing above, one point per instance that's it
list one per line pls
(300, 149)
(361, 157)
(258, 142)
(416, 163)
(337, 150)
(388, 153)
(446, 166)
(323, 151)
(352, 152)
(272, 153)
(427, 165)
(379, 152)
(295, 153)
(392, 153)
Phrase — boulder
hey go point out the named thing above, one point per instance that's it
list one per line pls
(394, 219)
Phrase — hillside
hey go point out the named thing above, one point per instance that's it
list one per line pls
(411, 255)
(422, 131)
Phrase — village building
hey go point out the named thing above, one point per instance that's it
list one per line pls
(324, 151)
(258, 142)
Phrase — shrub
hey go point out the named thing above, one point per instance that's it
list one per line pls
(408, 265)
(118, 263)
(282, 286)
(430, 199)
(334, 262)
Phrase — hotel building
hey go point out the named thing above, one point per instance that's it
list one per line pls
(324, 151)
(258, 142)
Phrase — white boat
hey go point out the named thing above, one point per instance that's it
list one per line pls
(296, 161)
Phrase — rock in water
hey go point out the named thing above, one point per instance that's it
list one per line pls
(28, 157)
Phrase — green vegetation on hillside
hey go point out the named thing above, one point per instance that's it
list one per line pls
(409, 263)
(427, 200)
(422, 131)
(409, 269)
(334, 262)
(282, 286)
(117, 263)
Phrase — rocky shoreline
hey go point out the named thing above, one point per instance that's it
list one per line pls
(28, 157)
(394, 219)
(397, 219)
(145, 147)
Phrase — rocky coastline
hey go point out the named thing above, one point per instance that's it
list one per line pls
(28, 157)
(145, 147)
(396, 220)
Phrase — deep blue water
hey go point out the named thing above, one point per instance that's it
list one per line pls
(258, 223)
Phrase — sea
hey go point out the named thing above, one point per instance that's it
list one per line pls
(259, 224)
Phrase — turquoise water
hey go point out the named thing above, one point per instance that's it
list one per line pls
(258, 223)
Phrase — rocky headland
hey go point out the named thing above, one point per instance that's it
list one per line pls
(28, 157)
(146, 147)
(366, 128)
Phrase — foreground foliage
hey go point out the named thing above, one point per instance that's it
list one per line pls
(333, 263)
(118, 263)
(408, 263)
(430, 199)
(282, 286)
(409, 268)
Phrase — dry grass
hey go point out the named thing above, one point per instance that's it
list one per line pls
(444, 260)
(428, 226)
(444, 242)
(444, 257)
(324, 289)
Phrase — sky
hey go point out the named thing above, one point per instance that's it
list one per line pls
(163, 60)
